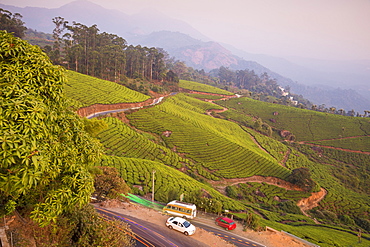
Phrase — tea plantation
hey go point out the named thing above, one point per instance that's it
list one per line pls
(200, 156)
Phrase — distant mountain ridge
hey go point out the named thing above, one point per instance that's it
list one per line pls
(152, 28)
(108, 20)
(201, 55)
(211, 55)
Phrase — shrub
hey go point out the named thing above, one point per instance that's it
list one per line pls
(302, 178)
(88, 229)
(289, 207)
(252, 221)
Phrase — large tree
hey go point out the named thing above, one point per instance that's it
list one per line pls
(12, 23)
(302, 177)
(45, 151)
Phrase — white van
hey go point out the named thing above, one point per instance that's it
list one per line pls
(181, 209)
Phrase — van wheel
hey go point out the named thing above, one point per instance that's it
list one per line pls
(186, 233)
(170, 227)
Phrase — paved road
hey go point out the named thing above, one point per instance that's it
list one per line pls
(228, 236)
(96, 114)
(148, 234)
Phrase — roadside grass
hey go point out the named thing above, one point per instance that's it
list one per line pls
(323, 235)
(306, 230)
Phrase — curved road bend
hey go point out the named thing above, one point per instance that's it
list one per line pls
(148, 234)
(96, 114)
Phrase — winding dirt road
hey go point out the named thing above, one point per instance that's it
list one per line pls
(304, 204)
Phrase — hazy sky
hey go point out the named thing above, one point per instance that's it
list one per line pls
(325, 29)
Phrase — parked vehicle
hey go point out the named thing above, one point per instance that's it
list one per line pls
(181, 225)
(181, 209)
(226, 223)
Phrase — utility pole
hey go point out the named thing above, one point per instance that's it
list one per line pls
(153, 185)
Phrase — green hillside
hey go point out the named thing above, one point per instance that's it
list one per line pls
(193, 149)
(306, 125)
(222, 147)
(168, 182)
(88, 90)
(196, 86)
(121, 140)
(356, 143)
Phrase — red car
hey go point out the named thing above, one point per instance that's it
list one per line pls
(226, 223)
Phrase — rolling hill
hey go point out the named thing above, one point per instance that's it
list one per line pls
(208, 149)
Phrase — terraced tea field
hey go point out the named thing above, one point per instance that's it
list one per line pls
(200, 87)
(222, 147)
(306, 125)
(139, 172)
(88, 90)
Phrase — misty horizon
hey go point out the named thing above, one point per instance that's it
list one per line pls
(324, 30)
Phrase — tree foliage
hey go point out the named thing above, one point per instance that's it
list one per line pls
(107, 56)
(252, 221)
(80, 227)
(246, 79)
(94, 126)
(109, 184)
(12, 23)
(88, 229)
(302, 178)
(45, 152)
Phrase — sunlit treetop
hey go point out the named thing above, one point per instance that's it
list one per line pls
(45, 151)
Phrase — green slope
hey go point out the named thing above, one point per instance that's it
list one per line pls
(168, 181)
(361, 143)
(121, 140)
(199, 87)
(88, 90)
(221, 146)
(306, 125)
(178, 140)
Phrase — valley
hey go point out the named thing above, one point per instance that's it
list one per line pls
(213, 184)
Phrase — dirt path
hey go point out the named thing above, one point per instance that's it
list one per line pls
(312, 201)
(88, 110)
(342, 149)
(221, 185)
(209, 112)
(286, 156)
(304, 204)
